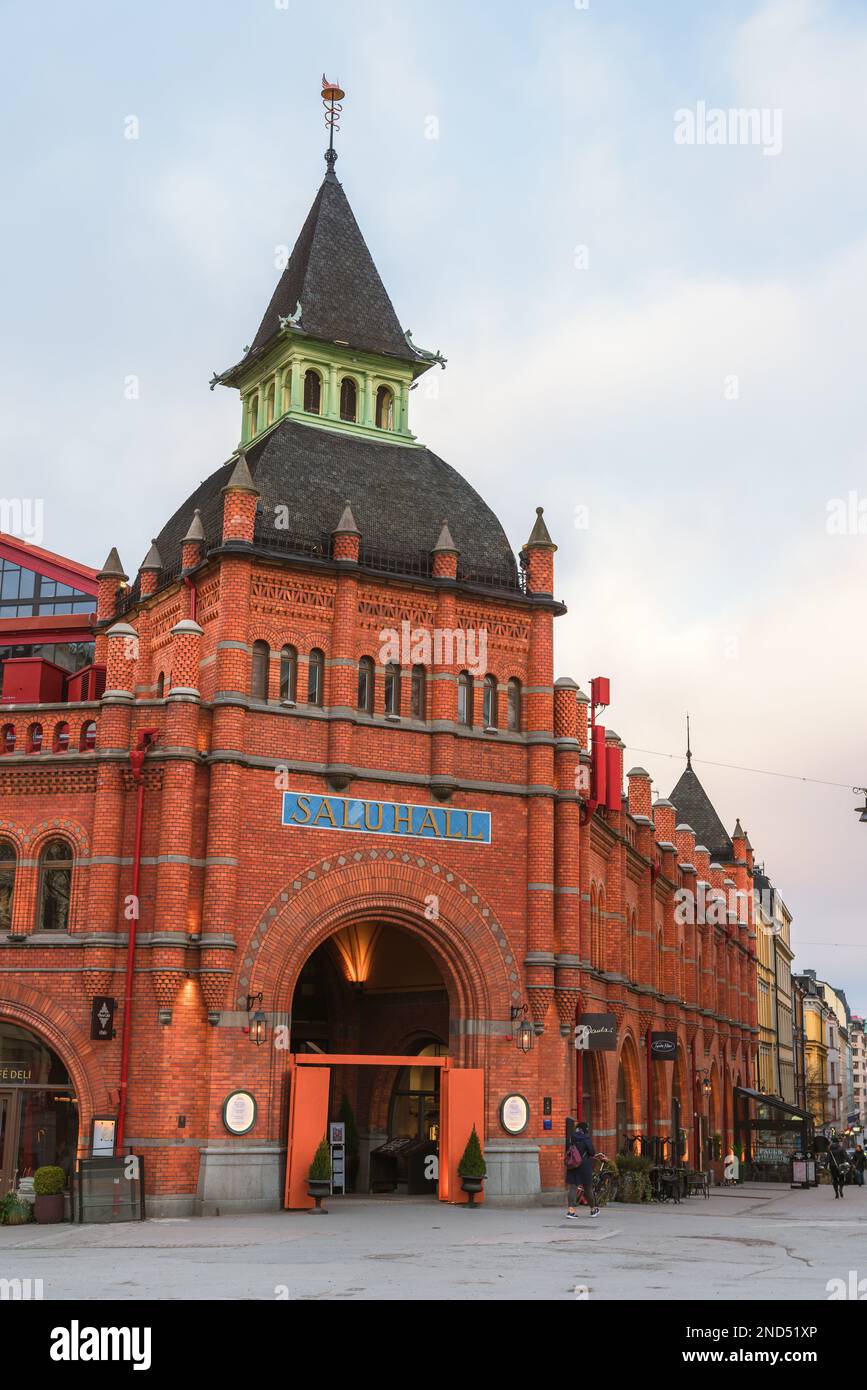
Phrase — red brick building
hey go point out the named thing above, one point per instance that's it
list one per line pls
(340, 797)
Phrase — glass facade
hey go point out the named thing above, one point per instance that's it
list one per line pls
(26, 594)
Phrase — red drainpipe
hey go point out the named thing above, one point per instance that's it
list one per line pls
(697, 1157)
(146, 737)
(579, 1069)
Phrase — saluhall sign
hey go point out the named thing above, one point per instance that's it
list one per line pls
(314, 812)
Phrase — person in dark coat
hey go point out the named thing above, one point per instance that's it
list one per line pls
(579, 1170)
(838, 1163)
(859, 1163)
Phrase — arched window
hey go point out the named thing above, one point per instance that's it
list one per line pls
(286, 398)
(8, 744)
(87, 739)
(315, 677)
(594, 925)
(161, 685)
(288, 675)
(61, 737)
(417, 709)
(392, 688)
(312, 391)
(366, 678)
(489, 702)
(253, 414)
(384, 408)
(270, 403)
(8, 865)
(631, 944)
(348, 399)
(55, 886)
(34, 738)
(465, 699)
(514, 704)
(259, 671)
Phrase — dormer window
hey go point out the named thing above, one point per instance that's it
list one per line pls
(312, 392)
(348, 399)
(270, 401)
(384, 408)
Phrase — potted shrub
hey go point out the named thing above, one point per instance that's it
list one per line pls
(48, 1184)
(472, 1168)
(14, 1211)
(319, 1175)
(352, 1148)
(633, 1172)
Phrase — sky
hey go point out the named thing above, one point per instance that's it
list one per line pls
(658, 339)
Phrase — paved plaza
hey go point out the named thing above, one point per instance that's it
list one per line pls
(754, 1242)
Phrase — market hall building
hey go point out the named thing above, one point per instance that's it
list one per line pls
(337, 840)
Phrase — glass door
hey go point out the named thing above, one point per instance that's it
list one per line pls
(8, 1140)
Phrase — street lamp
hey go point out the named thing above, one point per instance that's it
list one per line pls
(524, 1030)
(862, 809)
(702, 1078)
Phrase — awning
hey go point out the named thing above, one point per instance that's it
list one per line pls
(774, 1102)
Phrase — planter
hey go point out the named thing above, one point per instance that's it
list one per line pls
(16, 1213)
(317, 1189)
(472, 1186)
(632, 1187)
(48, 1210)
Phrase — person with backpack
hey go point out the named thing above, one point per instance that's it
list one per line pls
(838, 1163)
(859, 1163)
(579, 1171)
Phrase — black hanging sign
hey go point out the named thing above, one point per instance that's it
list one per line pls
(596, 1033)
(663, 1047)
(102, 1018)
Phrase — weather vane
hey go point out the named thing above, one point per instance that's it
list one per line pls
(332, 96)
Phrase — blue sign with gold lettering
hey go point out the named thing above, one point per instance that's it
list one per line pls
(315, 812)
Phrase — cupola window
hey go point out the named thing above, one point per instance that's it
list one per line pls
(288, 675)
(315, 677)
(384, 408)
(348, 399)
(312, 392)
(365, 684)
(270, 401)
(254, 415)
(465, 699)
(259, 672)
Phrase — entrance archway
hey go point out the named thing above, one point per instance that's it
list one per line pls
(375, 989)
(38, 1107)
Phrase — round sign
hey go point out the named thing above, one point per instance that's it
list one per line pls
(514, 1114)
(239, 1112)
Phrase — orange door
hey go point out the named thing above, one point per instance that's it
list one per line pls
(308, 1125)
(462, 1105)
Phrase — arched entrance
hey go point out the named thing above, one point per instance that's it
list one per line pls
(370, 991)
(38, 1107)
(627, 1105)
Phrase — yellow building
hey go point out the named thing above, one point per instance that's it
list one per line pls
(774, 990)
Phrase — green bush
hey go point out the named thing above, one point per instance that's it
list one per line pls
(13, 1211)
(472, 1164)
(633, 1163)
(320, 1168)
(347, 1116)
(48, 1181)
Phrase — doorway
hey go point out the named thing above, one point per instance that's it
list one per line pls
(38, 1110)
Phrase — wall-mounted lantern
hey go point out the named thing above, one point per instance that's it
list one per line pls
(702, 1079)
(256, 1026)
(522, 1028)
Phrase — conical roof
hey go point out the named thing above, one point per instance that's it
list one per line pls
(694, 806)
(332, 276)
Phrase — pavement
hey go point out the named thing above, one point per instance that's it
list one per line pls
(754, 1242)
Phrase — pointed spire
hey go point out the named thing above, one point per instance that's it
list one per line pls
(241, 480)
(688, 749)
(346, 525)
(152, 561)
(737, 833)
(539, 536)
(445, 541)
(112, 569)
(197, 530)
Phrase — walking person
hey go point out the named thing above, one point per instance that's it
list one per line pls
(838, 1163)
(859, 1163)
(579, 1171)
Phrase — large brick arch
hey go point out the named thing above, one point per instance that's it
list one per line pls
(469, 945)
(43, 1016)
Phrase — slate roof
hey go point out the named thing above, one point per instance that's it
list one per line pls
(399, 497)
(694, 807)
(332, 275)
